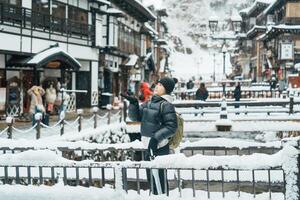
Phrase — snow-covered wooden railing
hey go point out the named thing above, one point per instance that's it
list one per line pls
(62, 124)
(218, 93)
(226, 146)
(277, 170)
(237, 107)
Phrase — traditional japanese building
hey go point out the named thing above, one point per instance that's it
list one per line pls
(251, 49)
(282, 38)
(125, 47)
(92, 45)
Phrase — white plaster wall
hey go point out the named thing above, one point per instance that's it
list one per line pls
(27, 4)
(10, 74)
(9, 42)
(85, 65)
(2, 61)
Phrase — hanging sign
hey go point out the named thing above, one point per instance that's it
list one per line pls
(286, 51)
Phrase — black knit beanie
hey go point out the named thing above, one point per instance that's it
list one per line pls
(168, 84)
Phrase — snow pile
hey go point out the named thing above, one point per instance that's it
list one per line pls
(255, 161)
(106, 134)
(229, 143)
(58, 192)
(291, 169)
(53, 145)
(284, 157)
(35, 158)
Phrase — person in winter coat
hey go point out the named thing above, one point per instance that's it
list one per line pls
(202, 93)
(158, 122)
(237, 94)
(36, 101)
(145, 92)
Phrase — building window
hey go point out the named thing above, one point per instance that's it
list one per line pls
(12, 2)
(2, 78)
(78, 15)
(41, 6)
(58, 10)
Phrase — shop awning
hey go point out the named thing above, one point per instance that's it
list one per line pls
(132, 60)
(53, 56)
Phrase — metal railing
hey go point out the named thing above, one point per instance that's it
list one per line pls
(98, 174)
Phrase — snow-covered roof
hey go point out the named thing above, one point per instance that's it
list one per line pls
(105, 2)
(255, 28)
(157, 4)
(43, 56)
(269, 7)
(150, 28)
(114, 11)
(283, 27)
(132, 60)
(250, 9)
(148, 12)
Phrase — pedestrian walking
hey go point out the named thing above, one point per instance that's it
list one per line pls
(237, 94)
(158, 124)
(202, 93)
(189, 86)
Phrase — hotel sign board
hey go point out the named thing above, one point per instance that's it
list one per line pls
(286, 51)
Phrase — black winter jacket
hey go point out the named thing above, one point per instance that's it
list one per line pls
(155, 122)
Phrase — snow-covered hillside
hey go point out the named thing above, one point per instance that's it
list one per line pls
(193, 49)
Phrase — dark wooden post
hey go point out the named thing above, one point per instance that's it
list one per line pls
(79, 113)
(62, 123)
(95, 111)
(109, 107)
(291, 104)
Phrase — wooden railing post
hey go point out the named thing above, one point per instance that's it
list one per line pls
(95, 111)
(9, 122)
(62, 123)
(291, 103)
(109, 107)
(38, 118)
(79, 113)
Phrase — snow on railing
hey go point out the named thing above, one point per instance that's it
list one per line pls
(275, 170)
(62, 123)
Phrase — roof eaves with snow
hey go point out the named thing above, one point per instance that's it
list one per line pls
(258, 4)
(150, 29)
(115, 12)
(281, 28)
(135, 7)
(132, 60)
(40, 57)
(101, 2)
(271, 7)
(256, 29)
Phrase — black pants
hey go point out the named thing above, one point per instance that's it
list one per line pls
(160, 152)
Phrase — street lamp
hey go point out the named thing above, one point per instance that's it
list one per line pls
(224, 51)
(236, 21)
(213, 24)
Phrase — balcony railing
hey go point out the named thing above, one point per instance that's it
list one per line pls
(27, 19)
